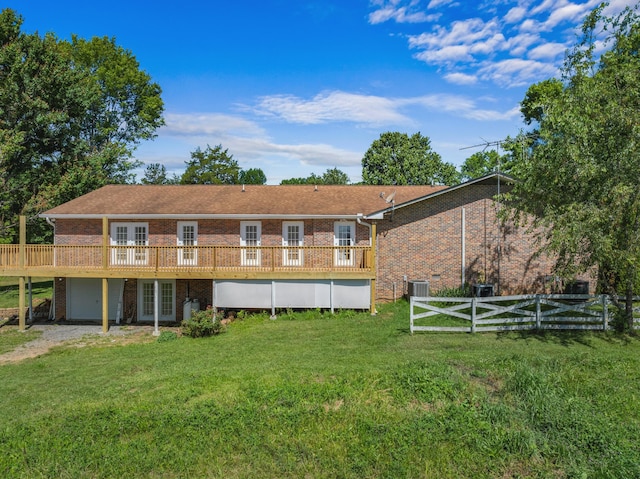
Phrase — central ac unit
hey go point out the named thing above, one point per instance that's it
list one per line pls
(419, 288)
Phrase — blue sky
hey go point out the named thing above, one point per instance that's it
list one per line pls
(295, 87)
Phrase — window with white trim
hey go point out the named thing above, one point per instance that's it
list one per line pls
(292, 241)
(187, 239)
(344, 239)
(250, 237)
(128, 237)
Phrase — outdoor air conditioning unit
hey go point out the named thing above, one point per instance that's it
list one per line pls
(418, 288)
(482, 290)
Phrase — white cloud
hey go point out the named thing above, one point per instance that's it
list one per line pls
(209, 124)
(518, 45)
(508, 42)
(616, 6)
(461, 78)
(570, 12)
(515, 15)
(547, 51)
(461, 42)
(400, 14)
(515, 72)
(369, 110)
(334, 106)
(439, 3)
(246, 141)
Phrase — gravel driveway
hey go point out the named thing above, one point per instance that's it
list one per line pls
(57, 334)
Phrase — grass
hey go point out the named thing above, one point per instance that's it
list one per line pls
(317, 395)
(41, 288)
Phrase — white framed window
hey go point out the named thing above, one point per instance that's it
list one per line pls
(131, 237)
(250, 237)
(292, 241)
(344, 235)
(187, 239)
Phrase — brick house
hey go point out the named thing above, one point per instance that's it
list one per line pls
(143, 252)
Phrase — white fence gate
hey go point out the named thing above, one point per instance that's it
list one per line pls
(513, 313)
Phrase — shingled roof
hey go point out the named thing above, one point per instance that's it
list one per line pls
(139, 201)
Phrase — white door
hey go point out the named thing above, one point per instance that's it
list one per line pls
(250, 236)
(187, 238)
(344, 238)
(128, 235)
(166, 300)
(84, 298)
(292, 240)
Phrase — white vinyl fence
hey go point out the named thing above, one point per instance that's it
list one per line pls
(513, 313)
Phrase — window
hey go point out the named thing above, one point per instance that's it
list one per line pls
(292, 240)
(344, 238)
(250, 233)
(188, 239)
(128, 237)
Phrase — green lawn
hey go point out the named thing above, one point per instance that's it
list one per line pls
(350, 396)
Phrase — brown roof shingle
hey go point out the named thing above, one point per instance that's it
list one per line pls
(229, 200)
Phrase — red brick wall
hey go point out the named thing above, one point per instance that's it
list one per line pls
(424, 242)
(210, 232)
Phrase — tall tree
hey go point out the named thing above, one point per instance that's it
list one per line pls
(398, 159)
(156, 174)
(333, 176)
(580, 184)
(70, 119)
(213, 166)
(484, 162)
(252, 176)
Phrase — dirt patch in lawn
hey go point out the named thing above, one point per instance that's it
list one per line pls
(75, 335)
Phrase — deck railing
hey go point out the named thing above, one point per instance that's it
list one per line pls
(47, 259)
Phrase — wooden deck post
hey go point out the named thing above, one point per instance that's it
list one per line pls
(372, 264)
(105, 305)
(21, 279)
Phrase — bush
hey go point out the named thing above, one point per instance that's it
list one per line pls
(464, 292)
(167, 336)
(201, 324)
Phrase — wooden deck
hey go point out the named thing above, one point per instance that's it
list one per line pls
(222, 262)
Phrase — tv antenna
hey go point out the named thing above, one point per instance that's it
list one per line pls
(485, 145)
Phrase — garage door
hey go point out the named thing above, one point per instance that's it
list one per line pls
(84, 298)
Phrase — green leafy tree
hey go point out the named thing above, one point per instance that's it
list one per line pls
(333, 176)
(156, 174)
(71, 115)
(538, 99)
(213, 166)
(252, 176)
(580, 183)
(398, 159)
(484, 162)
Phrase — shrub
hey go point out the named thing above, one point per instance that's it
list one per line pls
(464, 292)
(167, 336)
(201, 324)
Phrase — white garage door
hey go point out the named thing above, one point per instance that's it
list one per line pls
(84, 298)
